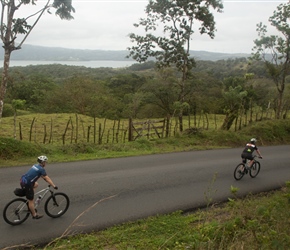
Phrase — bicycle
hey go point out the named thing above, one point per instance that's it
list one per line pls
(243, 169)
(17, 210)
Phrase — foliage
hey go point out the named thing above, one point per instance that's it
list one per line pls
(124, 93)
(176, 19)
(233, 99)
(12, 28)
(279, 49)
(270, 131)
(11, 149)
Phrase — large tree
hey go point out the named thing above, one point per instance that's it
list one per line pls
(177, 21)
(11, 27)
(278, 47)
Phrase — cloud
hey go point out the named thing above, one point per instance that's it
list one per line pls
(106, 24)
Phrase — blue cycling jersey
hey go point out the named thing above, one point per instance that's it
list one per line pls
(33, 174)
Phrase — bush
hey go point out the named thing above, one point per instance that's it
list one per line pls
(13, 149)
(8, 110)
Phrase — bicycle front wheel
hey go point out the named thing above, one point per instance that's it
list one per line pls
(239, 171)
(255, 169)
(16, 211)
(56, 205)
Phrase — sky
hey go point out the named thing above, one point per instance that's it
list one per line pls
(106, 24)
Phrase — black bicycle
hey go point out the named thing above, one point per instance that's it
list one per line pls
(17, 210)
(243, 169)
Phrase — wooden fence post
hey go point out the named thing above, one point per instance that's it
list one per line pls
(100, 134)
(130, 136)
(51, 127)
(45, 134)
(167, 126)
(95, 129)
(88, 135)
(20, 132)
(64, 134)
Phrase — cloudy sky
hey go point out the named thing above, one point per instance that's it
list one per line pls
(106, 24)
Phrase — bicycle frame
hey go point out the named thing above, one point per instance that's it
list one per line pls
(43, 193)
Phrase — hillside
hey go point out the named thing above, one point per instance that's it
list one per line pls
(39, 53)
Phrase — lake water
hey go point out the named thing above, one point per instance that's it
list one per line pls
(88, 64)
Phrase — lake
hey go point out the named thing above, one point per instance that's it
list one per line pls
(87, 64)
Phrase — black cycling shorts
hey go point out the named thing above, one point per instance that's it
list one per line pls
(248, 156)
(29, 192)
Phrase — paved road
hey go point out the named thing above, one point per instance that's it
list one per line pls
(111, 191)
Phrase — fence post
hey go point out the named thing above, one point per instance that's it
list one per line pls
(95, 129)
(31, 127)
(167, 126)
(130, 136)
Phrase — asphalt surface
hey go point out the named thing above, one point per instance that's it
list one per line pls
(108, 192)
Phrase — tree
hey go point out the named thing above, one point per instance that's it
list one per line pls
(162, 91)
(233, 101)
(278, 65)
(176, 17)
(31, 88)
(11, 27)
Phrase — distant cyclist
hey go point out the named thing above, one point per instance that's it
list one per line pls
(28, 181)
(248, 151)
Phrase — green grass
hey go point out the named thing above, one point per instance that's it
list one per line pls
(14, 152)
(255, 222)
(50, 128)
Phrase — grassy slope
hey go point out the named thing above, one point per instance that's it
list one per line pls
(256, 222)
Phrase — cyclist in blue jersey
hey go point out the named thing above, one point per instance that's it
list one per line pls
(249, 150)
(28, 181)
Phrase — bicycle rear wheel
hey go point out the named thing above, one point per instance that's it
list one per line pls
(255, 169)
(239, 171)
(16, 211)
(56, 205)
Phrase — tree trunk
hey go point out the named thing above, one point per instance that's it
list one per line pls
(279, 104)
(180, 118)
(229, 119)
(4, 79)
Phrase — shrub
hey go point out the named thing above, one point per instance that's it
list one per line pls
(13, 149)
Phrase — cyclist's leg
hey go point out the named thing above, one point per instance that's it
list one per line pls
(244, 157)
(30, 197)
(251, 158)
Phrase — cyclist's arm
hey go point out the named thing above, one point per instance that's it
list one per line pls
(259, 153)
(48, 180)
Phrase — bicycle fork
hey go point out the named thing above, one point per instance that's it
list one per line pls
(54, 199)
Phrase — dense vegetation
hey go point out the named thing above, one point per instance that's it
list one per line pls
(233, 87)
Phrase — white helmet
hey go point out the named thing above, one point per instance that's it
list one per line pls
(42, 158)
(253, 140)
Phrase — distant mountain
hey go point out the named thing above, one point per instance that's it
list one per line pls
(39, 53)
